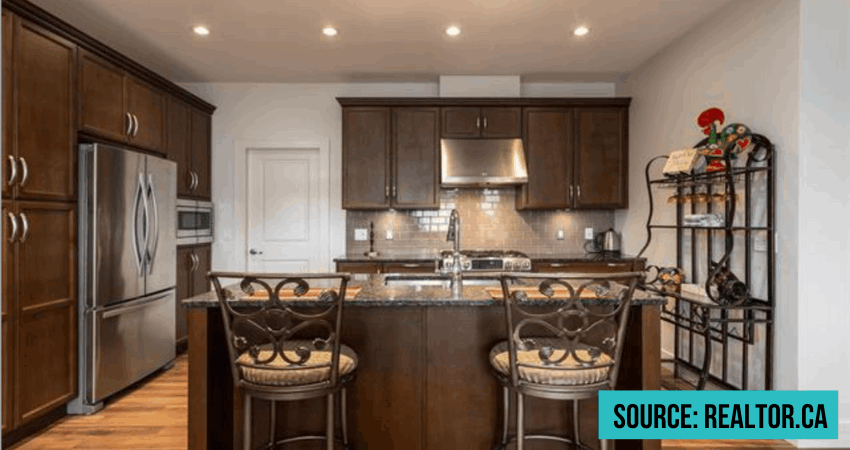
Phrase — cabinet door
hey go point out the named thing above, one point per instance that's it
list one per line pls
(5, 164)
(365, 158)
(179, 144)
(147, 105)
(9, 318)
(102, 110)
(47, 341)
(461, 122)
(45, 139)
(601, 177)
(416, 158)
(548, 152)
(200, 282)
(410, 267)
(358, 267)
(185, 264)
(501, 122)
(201, 157)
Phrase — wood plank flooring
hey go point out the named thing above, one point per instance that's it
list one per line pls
(153, 416)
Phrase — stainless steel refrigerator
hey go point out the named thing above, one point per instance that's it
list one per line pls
(127, 246)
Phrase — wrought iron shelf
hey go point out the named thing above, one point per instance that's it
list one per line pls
(702, 178)
(697, 227)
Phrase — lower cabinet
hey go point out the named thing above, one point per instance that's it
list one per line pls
(39, 309)
(587, 266)
(193, 264)
(386, 267)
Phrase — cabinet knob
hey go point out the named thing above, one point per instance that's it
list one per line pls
(254, 251)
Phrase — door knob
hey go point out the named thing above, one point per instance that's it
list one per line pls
(254, 251)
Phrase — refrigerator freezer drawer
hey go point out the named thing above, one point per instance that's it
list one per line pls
(131, 341)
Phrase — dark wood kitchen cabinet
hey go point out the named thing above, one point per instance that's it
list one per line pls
(601, 158)
(39, 278)
(188, 144)
(39, 157)
(548, 142)
(9, 316)
(489, 122)
(391, 158)
(117, 106)
(193, 264)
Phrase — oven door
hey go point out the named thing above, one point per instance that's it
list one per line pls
(204, 222)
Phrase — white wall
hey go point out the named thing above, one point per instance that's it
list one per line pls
(279, 112)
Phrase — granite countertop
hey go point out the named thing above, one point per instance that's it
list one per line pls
(374, 292)
(430, 255)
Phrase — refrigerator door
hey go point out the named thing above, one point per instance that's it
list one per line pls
(115, 239)
(131, 341)
(161, 250)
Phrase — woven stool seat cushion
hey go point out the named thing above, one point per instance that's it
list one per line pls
(532, 369)
(274, 374)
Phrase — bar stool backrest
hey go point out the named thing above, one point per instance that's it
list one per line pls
(268, 328)
(585, 315)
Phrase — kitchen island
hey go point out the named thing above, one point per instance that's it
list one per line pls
(423, 380)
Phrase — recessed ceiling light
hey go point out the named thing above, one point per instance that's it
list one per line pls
(330, 31)
(201, 30)
(581, 31)
(453, 30)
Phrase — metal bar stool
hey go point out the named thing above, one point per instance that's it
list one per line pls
(282, 353)
(564, 340)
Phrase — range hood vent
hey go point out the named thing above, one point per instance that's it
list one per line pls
(482, 162)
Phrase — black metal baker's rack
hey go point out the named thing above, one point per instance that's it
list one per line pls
(728, 331)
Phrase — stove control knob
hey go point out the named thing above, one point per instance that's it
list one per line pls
(509, 265)
(526, 265)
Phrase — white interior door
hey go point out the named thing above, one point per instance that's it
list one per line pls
(287, 230)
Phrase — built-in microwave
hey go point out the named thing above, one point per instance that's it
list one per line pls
(194, 222)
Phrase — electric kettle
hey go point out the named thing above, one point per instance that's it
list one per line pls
(608, 241)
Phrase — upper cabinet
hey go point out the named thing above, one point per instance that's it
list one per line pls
(117, 106)
(548, 143)
(391, 158)
(201, 153)
(601, 158)
(463, 122)
(188, 144)
(39, 138)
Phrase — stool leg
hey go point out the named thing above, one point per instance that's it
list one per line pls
(246, 428)
(520, 426)
(329, 434)
(343, 406)
(603, 444)
(506, 411)
(272, 424)
(575, 424)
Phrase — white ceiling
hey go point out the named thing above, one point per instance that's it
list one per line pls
(280, 41)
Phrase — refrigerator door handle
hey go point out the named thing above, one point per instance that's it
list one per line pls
(132, 306)
(154, 228)
(140, 196)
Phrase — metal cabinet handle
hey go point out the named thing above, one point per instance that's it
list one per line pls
(387, 192)
(395, 191)
(414, 265)
(197, 261)
(136, 127)
(485, 123)
(571, 193)
(478, 122)
(14, 222)
(556, 265)
(578, 192)
(195, 177)
(129, 123)
(14, 170)
(25, 225)
(25, 171)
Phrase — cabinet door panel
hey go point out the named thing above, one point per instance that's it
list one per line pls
(501, 122)
(365, 158)
(44, 92)
(8, 104)
(358, 267)
(46, 256)
(178, 144)
(8, 373)
(416, 157)
(461, 122)
(200, 282)
(201, 157)
(9, 318)
(102, 110)
(548, 152)
(602, 158)
(46, 360)
(148, 106)
(184, 291)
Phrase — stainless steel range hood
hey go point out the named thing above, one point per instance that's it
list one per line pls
(482, 162)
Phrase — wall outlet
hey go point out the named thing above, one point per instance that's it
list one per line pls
(361, 234)
(560, 235)
(389, 235)
(588, 233)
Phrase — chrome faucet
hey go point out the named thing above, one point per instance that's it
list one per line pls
(454, 235)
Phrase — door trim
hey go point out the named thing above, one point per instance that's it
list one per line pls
(240, 194)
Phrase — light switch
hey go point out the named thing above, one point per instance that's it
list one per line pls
(588, 233)
(389, 235)
(361, 234)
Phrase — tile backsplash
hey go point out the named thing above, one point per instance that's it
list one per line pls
(489, 220)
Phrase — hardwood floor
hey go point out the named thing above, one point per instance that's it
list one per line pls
(153, 415)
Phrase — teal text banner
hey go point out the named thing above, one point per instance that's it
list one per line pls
(718, 415)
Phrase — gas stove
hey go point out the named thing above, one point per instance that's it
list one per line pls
(486, 261)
